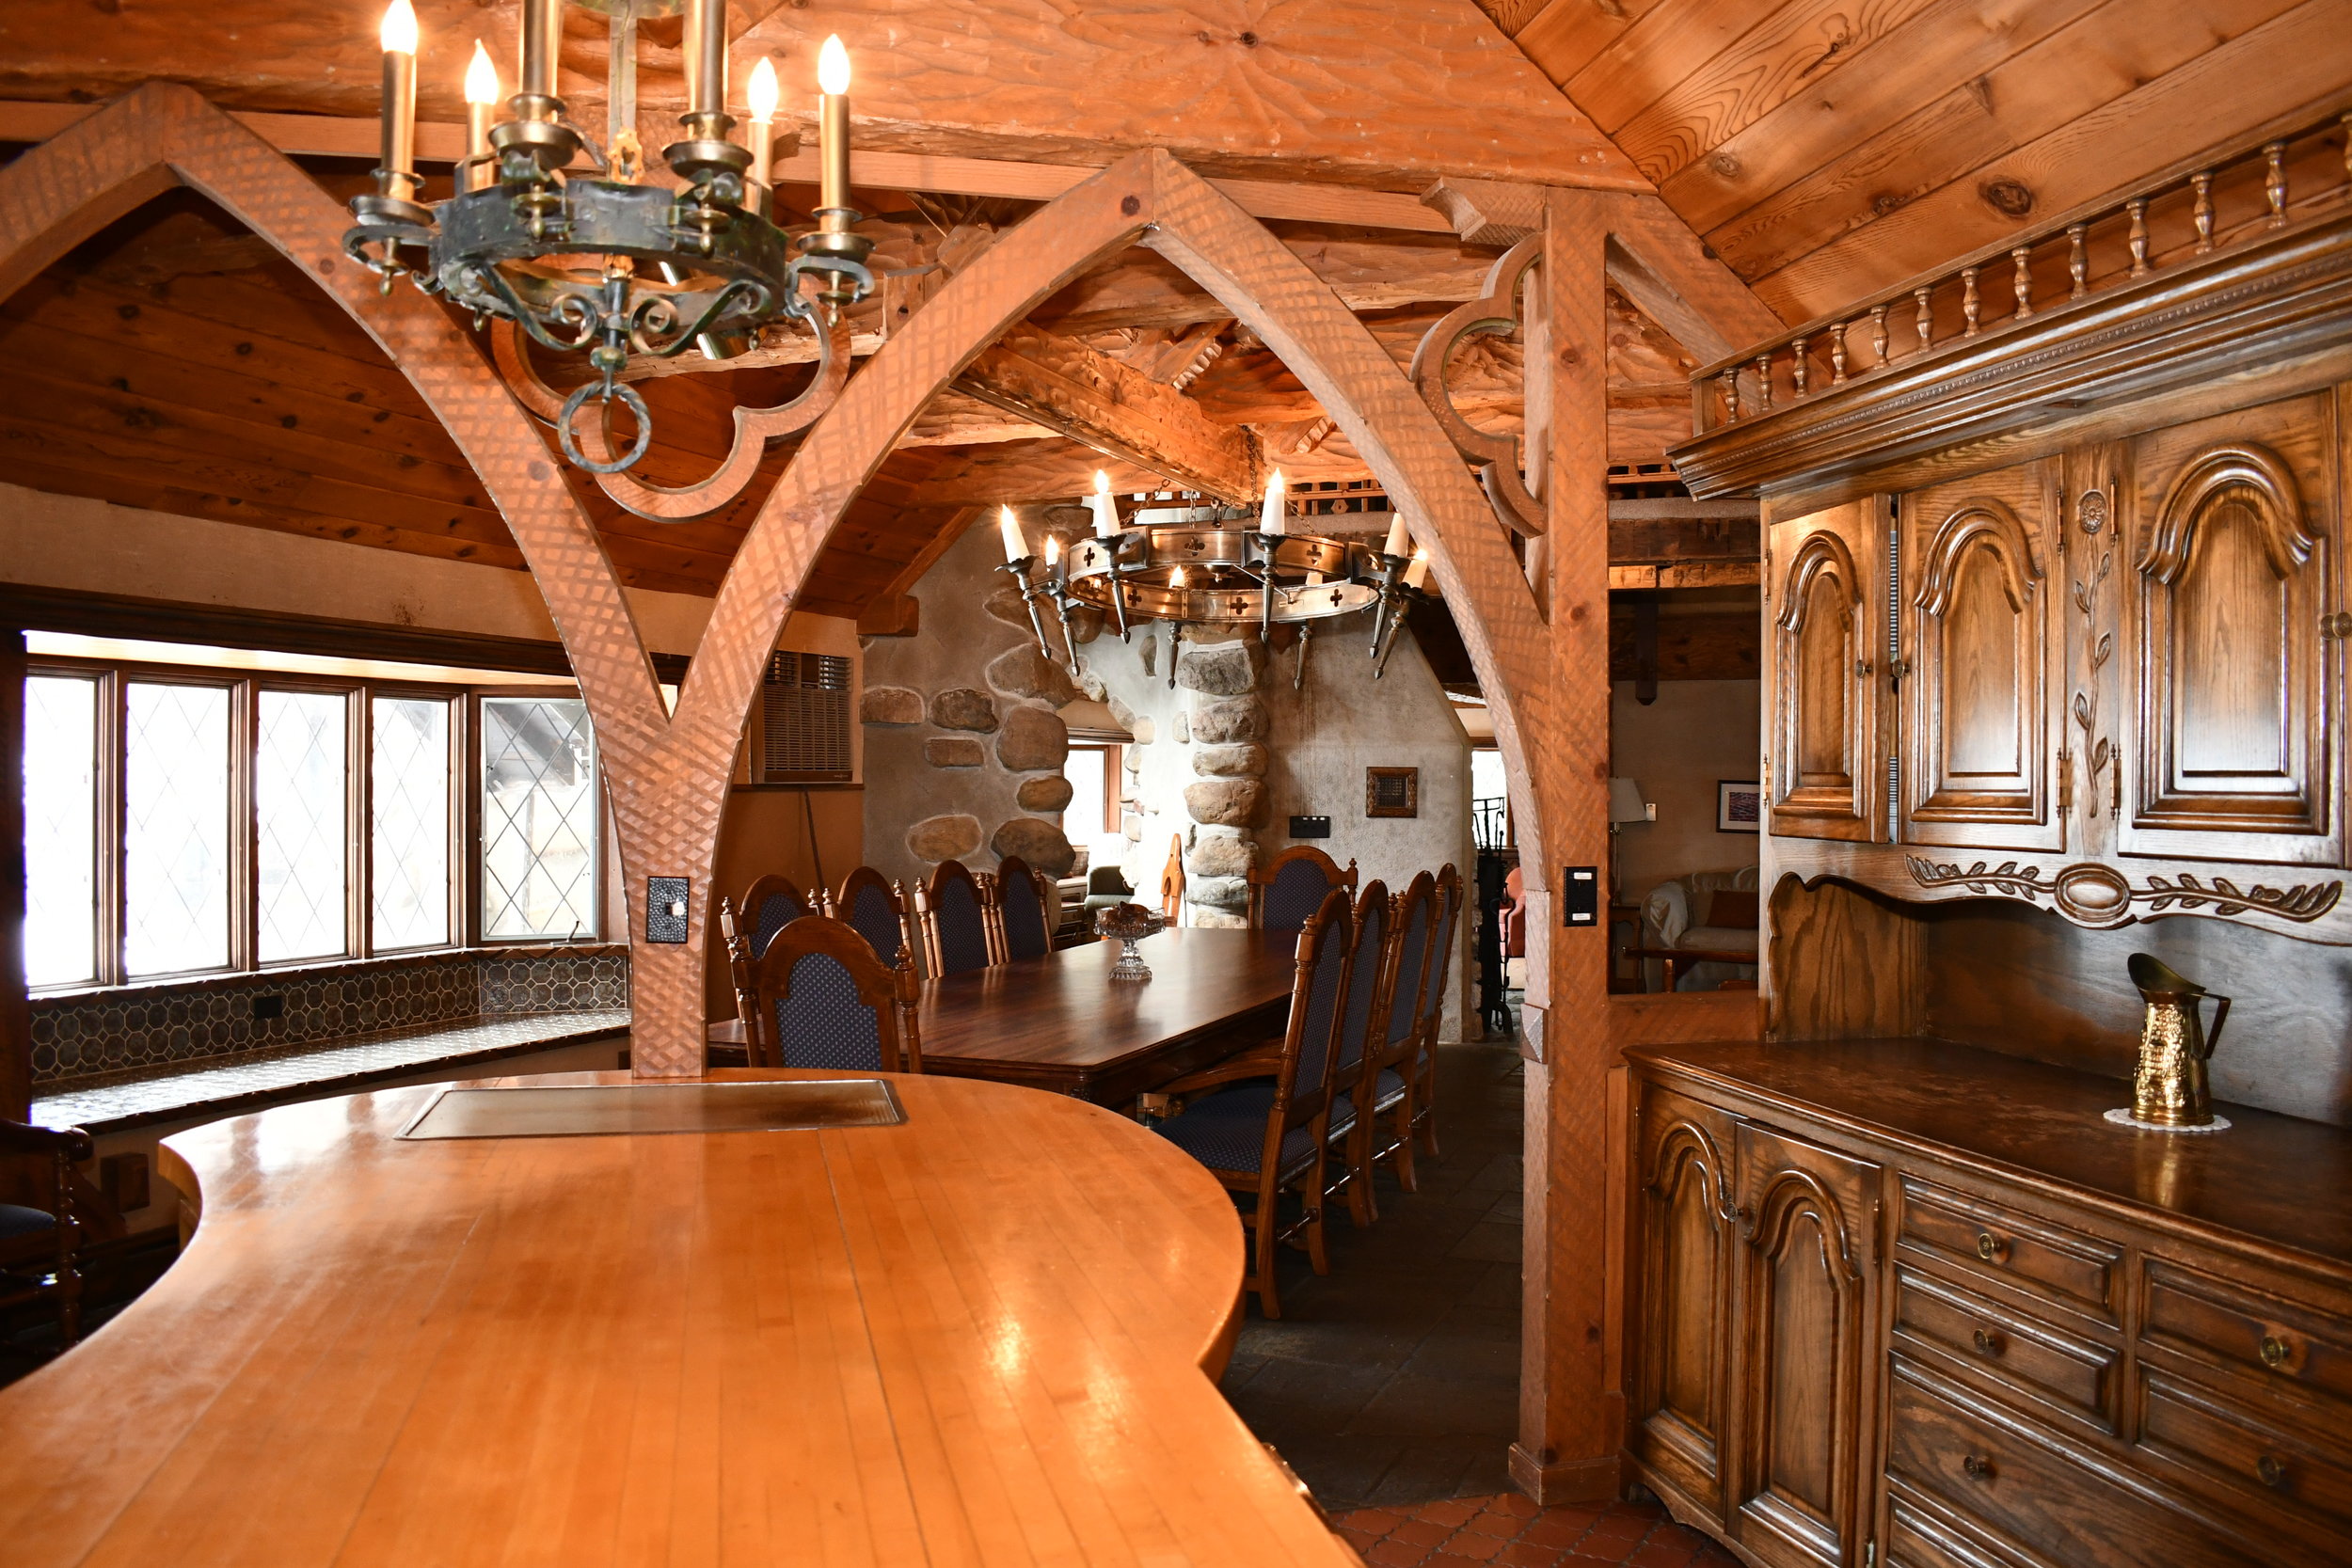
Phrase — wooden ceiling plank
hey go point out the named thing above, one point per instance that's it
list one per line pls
(1566, 36)
(1017, 474)
(2268, 71)
(1656, 262)
(1862, 94)
(1780, 56)
(1668, 44)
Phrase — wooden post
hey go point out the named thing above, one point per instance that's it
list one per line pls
(16, 1024)
(1569, 1415)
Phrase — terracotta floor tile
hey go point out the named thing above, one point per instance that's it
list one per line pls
(1624, 1526)
(1597, 1547)
(1479, 1548)
(1655, 1553)
(1396, 1554)
(1512, 1503)
(1363, 1540)
(1456, 1512)
(1419, 1532)
(1501, 1526)
(1521, 1553)
(1447, 1560)
(1373, 1521)
(1558, 1529)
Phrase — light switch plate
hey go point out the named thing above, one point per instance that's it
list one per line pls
(1580, 896)
(665, 909)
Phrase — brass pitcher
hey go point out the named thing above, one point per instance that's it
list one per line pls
(2169, 1088)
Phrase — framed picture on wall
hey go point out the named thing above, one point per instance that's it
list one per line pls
(1738, 806)
(1391, 792)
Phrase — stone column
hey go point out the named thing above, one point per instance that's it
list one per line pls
(1227, 727)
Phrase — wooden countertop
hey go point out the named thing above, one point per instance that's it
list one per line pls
(974, 1338)
(2277, 1180)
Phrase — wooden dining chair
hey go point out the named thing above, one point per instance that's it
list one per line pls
(1371, 970)
(1024, 904)
(1265, 1137)
(1290, 887)
(1393, 1072)
(40, 1247)
(954, 914)
(1432, 1007)
(1172, 882)
(879, 910)
(768, 906)
(822, 999)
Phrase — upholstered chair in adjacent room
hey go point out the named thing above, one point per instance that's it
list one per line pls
(1265, 1136)
(822, 999)
(1024, 909)
(1290, 887)
(1392, 1074)
(1371, 971)
(955, 911)
(1432, 1009)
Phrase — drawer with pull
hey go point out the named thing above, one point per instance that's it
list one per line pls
(2074, 1374)
(2035, 1256)
(2246, 1459)
(2293, 1346)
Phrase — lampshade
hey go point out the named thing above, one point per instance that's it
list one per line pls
(1624, 801)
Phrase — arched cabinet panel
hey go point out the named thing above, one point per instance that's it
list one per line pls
(1981, 740)
(1683, 1317)
(1825, 776)
(2234, 759)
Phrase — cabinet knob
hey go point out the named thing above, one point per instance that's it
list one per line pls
(2271, 1470)
(1988, 1342)
(1977, 1468)
(1991, 1247)
(2336, 626)
(2274, 1350)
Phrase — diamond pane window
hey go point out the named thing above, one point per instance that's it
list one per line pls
(300, 791)
(409, 769)
(538, 819)
(60, 829)
(175, 828)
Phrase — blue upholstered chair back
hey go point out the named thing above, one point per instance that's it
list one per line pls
(874, 916)
(962, 926)
(1431, 992)
(775, 912)
(1026, 936)
(1323, 996)
(1295, 894)
(1363, 987)
(1404, 1012)
(822, 1023)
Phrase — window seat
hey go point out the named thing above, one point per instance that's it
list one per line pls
(224, 1085)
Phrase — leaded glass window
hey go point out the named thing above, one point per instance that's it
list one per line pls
(301, 793)
(538, 819)
(409, 767)
(175, 828)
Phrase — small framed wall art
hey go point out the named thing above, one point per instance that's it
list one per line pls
(1738, 806)
(1391, 792)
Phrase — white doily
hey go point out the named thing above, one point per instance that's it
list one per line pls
(2125, 1119)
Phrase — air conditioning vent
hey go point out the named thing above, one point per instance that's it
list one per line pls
(804, 720)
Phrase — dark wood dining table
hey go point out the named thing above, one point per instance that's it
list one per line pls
(1061, 1022)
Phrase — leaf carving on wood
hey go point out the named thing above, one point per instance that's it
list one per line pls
(1496, 314)
(2094, 894)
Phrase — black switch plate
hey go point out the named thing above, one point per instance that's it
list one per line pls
(665, 909)
(1310, 826)
(1580, 896)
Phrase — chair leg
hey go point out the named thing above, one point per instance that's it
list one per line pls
(1405, 1177)
(1425, 1112)
(1318, 1254)
(1363, 1205)
(1267, 1227)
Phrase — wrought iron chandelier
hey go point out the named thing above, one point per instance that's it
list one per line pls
(1204, 564)
(601, 262)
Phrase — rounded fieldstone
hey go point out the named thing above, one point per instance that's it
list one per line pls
(1218, 892)
(1033, 740)
(1218, 920)
(1087, 623)
(1247, 761)
(1148, 652)
(1007, 604)
(1023, 672)
(954, 751)
(1046, 792)
(1038, 841)
(1182, 729)
(1232, 720)
(959, 707)
(890, 705)
(1228, 802)
(1143, 730)
(1220, 670)
(944, 838)
(1220, 855)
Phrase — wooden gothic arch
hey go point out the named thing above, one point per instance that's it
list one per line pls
(668, 773)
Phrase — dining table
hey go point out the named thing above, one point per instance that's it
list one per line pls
(1064, 1023)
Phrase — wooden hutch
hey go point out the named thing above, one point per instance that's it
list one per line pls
(2054, 613)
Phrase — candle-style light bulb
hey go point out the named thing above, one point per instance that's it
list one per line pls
(763, 95)
(833, 79)
(1016, 548)
(1105, 509)
(1418, 572)
(1176, 577)
(482, 97)
(1053, 552)
(1400, 543)
(396, 168)
(1273, 518)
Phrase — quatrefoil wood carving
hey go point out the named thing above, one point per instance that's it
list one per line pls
(1495, 314)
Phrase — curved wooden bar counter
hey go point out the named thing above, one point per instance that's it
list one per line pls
(976, 1337)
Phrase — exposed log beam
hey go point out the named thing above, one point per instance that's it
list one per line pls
(1091, 397)
(1690, 647)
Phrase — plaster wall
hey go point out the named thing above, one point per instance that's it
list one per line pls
(1677, 748)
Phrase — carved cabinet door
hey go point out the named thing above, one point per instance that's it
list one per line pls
(1980, 733)
(1825, 773)
(1804, 1326)
(2230, 754)
(1682, 1325)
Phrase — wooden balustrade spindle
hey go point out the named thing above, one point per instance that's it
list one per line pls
(1730, 380)
(2137, 207)
(2022, 284)
(2348, 154)
(1838, 353)
(1764, 383)
(2078, 259)
(1878, 332)
(1925, 319)
(2275, 181)
(1970, 306)
(2203, 183)
(1798, 372)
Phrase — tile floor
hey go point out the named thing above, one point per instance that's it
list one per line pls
(1509, 1531)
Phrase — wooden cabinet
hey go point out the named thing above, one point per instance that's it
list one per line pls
(1826, 665)
(1679, 1398)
